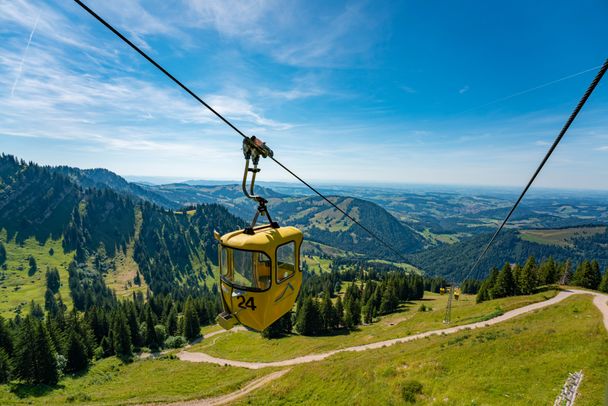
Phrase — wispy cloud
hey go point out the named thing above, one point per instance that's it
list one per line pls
(76, 95)
(291, 32)
(464, 89)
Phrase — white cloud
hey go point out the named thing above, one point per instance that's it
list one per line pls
(292, 32)
(463, 89)
(69, 91)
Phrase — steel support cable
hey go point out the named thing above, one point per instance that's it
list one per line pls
(226, 121)
(561, 134)
(341, 211)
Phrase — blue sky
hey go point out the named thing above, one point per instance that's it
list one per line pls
(400, 92)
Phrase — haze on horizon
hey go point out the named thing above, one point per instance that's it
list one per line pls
(348, 92)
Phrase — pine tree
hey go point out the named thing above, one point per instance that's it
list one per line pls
(587, 275)
(279, 328)
(53, 281)
(191, 325)
(152, 340)
(136, 338)
(390, 301)
(339, 313)
(2, 254)
(6, 338)
(50, 304)
(595, 276)
(604, 283)
(368, 311)
(36, 310)
(121, 337)
(527, 281)
(172, 322)
(35, 358)
(309, 321)
(76, 353)
(6, 367)
(504, 286)
(548, 273)
(33, 266)
(328, 313)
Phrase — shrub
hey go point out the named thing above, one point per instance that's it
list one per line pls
(409, 390)
(175, 342)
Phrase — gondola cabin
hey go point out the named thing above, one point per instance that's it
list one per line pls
(260, 275)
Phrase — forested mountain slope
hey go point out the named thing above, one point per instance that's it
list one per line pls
(455, 261)
(171, 252)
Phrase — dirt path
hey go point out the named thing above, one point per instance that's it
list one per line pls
(231, 397)
(600, 300)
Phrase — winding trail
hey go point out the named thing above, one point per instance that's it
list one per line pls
(231, 397)
(600, 301)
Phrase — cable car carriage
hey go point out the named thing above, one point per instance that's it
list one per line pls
(260, 276)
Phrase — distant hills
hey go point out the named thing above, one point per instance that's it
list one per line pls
(133, 237)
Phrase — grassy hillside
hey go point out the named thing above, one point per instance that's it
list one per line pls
(524, 361)
(109, 382)
(248, 346)
(563, 237)
(18, 286)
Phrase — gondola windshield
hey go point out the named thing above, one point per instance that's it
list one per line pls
(249, 270)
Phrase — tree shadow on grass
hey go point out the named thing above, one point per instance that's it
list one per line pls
(26, 390)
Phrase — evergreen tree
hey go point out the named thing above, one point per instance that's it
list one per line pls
(50, 304)
(106, 346)
(604, 283)
(328, 313)
(191, 325)
(152, 339)
(339, 313)
(76, 353)
(587, 275)
(505, 285)
(527, 281)
(35, 358)
(6, 367)
(2, 254)
(368, 312)
(121, 337)
(36, 310)
(309, 321)
(279, 328)
(33, 266)
(172, 322)
(53, 281)
(134, 328)
(6, 338)
(595, 277)
(517, 272)
(389, 302)
(548, 272)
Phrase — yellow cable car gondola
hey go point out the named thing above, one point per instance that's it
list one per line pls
(260, 275)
